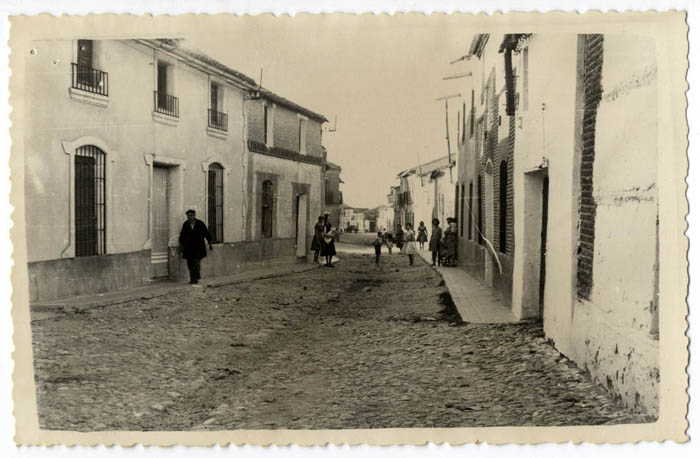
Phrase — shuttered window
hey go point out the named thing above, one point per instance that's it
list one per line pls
(90, 208)
(215, 202)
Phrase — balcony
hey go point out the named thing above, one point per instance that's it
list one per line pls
(166, 104)
(89, 85)
(218, 120)
(90, 80)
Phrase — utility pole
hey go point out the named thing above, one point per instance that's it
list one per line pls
(446, 98)
(420, 171)
(447, 129)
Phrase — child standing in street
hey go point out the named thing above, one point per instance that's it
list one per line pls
(409, 247)
(388, 240)
(378, 247)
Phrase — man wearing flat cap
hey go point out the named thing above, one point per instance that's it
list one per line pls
(193, 237)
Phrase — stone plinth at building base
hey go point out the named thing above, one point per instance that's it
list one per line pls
(80, 276)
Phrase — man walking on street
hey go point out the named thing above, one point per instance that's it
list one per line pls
(193, 236)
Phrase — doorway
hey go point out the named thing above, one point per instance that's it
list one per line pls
(160, 229)
(543, 244)
(301, 224)
(536, 200)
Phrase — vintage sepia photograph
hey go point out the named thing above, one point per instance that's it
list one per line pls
(335, 223)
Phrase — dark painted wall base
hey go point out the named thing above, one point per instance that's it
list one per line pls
(69, 277)
(60, 278)
(231, 258)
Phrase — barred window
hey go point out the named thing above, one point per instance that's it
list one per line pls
(471, 210)
(90, 215)
(461, 212)
(215, 202)
(479, 209)
(503, 206)
(267, 209)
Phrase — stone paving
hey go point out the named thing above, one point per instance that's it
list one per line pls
(353, 346)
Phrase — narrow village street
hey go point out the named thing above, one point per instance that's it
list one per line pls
(346, 347)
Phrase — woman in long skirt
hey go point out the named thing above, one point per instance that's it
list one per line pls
(435, 238)
(398, 240)
(328, 247)
(422, 235)
(450, 239)
(317, 242)
(409, 246)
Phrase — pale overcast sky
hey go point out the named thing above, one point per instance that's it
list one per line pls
(381, 79)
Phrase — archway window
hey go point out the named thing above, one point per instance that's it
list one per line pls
(267, 208)
(90, 198)
(215, 202)
(503, 206)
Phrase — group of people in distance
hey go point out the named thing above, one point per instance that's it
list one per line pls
(194, 238)
(324, 240)
(442, 244)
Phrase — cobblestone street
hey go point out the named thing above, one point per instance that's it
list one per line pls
(348, 347)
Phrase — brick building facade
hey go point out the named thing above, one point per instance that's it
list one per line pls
(286, 175)
(573, 240)
(485, 177)
(333, 195)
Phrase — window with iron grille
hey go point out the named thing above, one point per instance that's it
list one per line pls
(90, 211)
(215, 202)
(267, 209)
(479, 209)
(164, 101)
(461, 212)
(472, 113)
(217, 119)
(471, 211)
(503, 206)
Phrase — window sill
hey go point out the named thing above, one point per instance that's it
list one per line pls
(217, 133)
(165, 119)
(88, 97)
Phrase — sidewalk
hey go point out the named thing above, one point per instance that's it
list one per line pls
(474, 301)
(46, 309)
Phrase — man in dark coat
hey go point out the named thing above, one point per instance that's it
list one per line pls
(193, 236)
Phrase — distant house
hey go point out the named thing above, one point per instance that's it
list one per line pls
(385, 217)
(353, 219)
(285, 172)
(333, 195)
(426, 192)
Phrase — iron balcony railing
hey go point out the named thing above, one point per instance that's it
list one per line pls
(90, 80)
(218, 120)
(166, 104)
